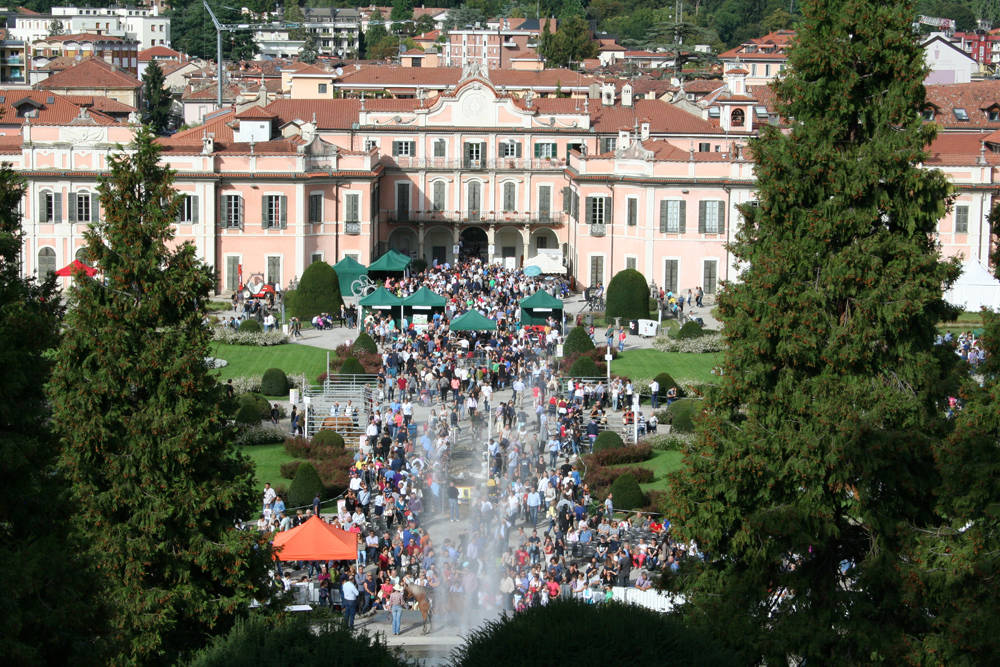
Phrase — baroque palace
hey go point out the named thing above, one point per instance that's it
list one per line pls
(597, 182)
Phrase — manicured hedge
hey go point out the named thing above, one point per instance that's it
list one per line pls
(608, 440)
(274, 382)
(318, 292)
(250, 326)
(628, 296)
(626, 493)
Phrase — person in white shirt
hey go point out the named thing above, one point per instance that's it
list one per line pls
(269, 496)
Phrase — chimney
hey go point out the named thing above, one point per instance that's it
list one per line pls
(644, 131)
(627, 95)
(608, 94)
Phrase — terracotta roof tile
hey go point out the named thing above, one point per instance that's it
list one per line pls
(255, 113)
(91, 73)
(662, 117)
(959, 149)
(100, 103)
(57, 112)
(158, 52)
(976, 97)
(82, 37)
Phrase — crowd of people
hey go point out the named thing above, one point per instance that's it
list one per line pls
(529, 529)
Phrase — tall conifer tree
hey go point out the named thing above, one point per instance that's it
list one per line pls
(47, 619)
(158, 482)
(814, 462)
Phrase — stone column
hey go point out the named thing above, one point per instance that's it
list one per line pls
(421, 233)
(525, 243)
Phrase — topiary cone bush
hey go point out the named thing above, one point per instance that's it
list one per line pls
(352, 366)
(628, 296)
(608, 440)
(577, 341)
(584, 367)
(328, 438)
(274, 382)
(681, 414)
(261, 404)
(248, 414)
(305, 486)
(250, 326)
(318, 292)
(667, 381)
(691, 329)
(626, 493)
(364, 343)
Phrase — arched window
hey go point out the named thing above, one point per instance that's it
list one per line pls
(509, 197)
(82, 255)
(438, 196)
(737, 118)
(46, 263)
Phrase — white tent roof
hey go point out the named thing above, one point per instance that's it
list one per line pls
(976, 288)
(547, 263)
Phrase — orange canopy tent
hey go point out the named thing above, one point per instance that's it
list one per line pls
(315, 540)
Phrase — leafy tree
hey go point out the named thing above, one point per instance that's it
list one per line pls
(318, 292)
(815, 466)
(628, 296)
(40, 600)
(295, 639)
(194, 34)
(607, 627)
(572, 41)
(56, 28)
(294, 14)
(376, 38)
(158, 486)
(681, 413)
(156, 100)
(310, 50)
(424, 24)
(402, 10)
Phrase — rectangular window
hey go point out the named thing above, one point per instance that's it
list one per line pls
(596, 270)
(672, 214)
(316, 208)
(710, 276)
(82, 207)
(232, 211)
(440, 148)
(274, 211)
(474, 154)
(316, 257)
(321, 89)
(50, 207)
(711, 217)
(573, 146)
(598, 209)
(633, 211)
(232, 272)
(188, 210)
(404, 148)
(608, 144)
(630, 262)
(352, 203)
(671, 268)
(545, 203)
(961, 219)
(545, 150)
(370, 144)
(704, 147)
(438, 196)
(510, 149)
(509, 197)
(273, 276)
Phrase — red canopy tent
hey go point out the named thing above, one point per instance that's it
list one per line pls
(75, 267)
(315, 540)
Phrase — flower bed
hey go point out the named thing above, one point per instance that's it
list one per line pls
(712, 342)
(230, 337)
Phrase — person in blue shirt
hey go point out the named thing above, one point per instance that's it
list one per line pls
(279, 506)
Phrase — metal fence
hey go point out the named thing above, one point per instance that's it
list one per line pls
(327, 404)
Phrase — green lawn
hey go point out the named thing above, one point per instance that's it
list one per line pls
(662, 464)
(267, 460)
(246, 360)
(682, 366)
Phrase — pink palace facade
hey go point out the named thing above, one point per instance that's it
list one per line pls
(600, 184)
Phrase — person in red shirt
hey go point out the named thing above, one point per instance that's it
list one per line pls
(553, 588)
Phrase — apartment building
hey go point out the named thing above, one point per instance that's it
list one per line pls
(145, 26)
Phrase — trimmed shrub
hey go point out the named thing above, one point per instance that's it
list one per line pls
(577, 341)
(318, 292)
(250, 326)
(364, 343)
(274, 383)
(666, 382)
(600, 478)
(298, 447)
(328, 438)
(259, 434)
(352, 366)
(370, 361)
(618, 455)
(608, 440)
(260, 404)
(628, 296)
(305, 486)
(248, 414)
(626, 492)
(288, 469)
(557, 629)
(680, 415)
(691, 329)
(584, 367)
(294, 639)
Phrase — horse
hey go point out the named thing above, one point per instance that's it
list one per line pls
(341, 424)
(422, 595)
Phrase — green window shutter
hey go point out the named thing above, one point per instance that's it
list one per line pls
(95, 207)
(242, 211)
(682, 217)
(283, 202)
(517, 149)
(589, 206)
(538, 150)
(264, 222)
(609, 210)
(664, 208)
(508, 196)
(567, 199)
(438, 196)
(722, 216)
(57, 211)
(395, 148)
(194, 209)
(72, 207)
(43, 209)
(413, 148)
(353, 201)
(702, 207)
(633, 212)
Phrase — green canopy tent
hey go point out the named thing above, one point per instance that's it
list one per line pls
(472, 320)
(348, 270)
(421, 303)
(390, 262)
(539, 306)
(381, 299)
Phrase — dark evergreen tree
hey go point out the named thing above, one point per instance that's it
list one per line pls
(628, 297)
(571, 42)
(814, 465)
(46, 610)
(318, 292)
(158, 486)
(156, 99)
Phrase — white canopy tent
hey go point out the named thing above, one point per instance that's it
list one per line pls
(976, 288)
(547, 263)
